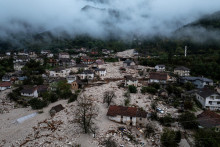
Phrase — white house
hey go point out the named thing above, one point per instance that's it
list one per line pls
(64, 56)
(129, 80)
(87, 74)
(209, 99)
(71, 78)
(101, 72)
(127, 115)
(18, 66)
(182, 71)
(29, 92)
(5, 85)
(160, 67)
(199, 82)
(60, 72)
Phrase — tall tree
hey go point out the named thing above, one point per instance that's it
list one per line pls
(85, 114)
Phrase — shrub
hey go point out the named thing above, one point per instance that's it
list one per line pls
(149, 89)
(132, 89)
(37, 103)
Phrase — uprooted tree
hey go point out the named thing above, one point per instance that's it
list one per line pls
(108, 97)
(85, 114)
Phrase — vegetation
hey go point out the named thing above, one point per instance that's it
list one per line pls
(132, 89)
(149, 130)
(108, 97)
(6, 65)
(85, 114)
(170, 138)
(109, 143)
(207, 138)
(149, 89)
(188, 120)
(37, 103)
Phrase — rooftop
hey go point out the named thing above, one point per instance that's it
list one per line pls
(158, 76)
(126, 111)
(209, 119)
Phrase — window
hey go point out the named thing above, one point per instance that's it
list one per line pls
(210, 102)
(130, 118)
(140, 118)
(218, 103)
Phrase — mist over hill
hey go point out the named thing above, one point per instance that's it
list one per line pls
(31, 22)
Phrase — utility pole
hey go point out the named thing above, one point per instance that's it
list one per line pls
(185, 51)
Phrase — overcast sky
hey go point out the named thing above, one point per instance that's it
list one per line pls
(119, 17)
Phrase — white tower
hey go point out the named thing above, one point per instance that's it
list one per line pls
(185, 51)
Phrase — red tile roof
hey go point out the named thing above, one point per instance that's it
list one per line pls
(209, 119)
(5, 84)
(126, 111)
(158, 76)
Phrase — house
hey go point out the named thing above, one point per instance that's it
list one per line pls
(64, 56)
(60, 72)
(5, 85)
(66, 62)
(42, 89)
(209, 119)
(199, 82)
(18, 66)
(22, 58)
(182, 71)
(156, 77)
(87, 74)
(87, 60)
(100, 61)
(77, 84)
(100, 72)
(55, 109)
(127, 115)
(52, 62)
(128, 63)
(160, 68)
(209, 99)
(129, 80)
(6, 78)
(33, 55)
(71, 78)
(79, 67)
(29, 91)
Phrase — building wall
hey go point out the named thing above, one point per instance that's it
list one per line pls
(182, 72)
(212, 102)
(34, 94)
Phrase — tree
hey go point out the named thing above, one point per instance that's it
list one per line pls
(37, 103)
(189, 86)
(85, 114)
(188, 104)
(132, 89)
(149, 130)
(207, 138)
(188, 120)
(168, 138)
(149, 89)
(108, 97)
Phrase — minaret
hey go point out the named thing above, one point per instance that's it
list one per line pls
(185, 51)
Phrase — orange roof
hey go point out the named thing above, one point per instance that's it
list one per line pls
(5, 84)
(126, 111)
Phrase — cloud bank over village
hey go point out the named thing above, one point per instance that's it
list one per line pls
(101, 18)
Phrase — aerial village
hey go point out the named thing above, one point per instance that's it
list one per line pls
(86, 100)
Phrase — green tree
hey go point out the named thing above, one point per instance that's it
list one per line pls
(207, 138)
(132, 89)
(37, 103)
(188, 120)
(168, 138)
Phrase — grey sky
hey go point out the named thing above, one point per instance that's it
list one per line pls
(120, 17)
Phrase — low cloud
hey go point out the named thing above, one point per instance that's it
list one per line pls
(100, 18)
